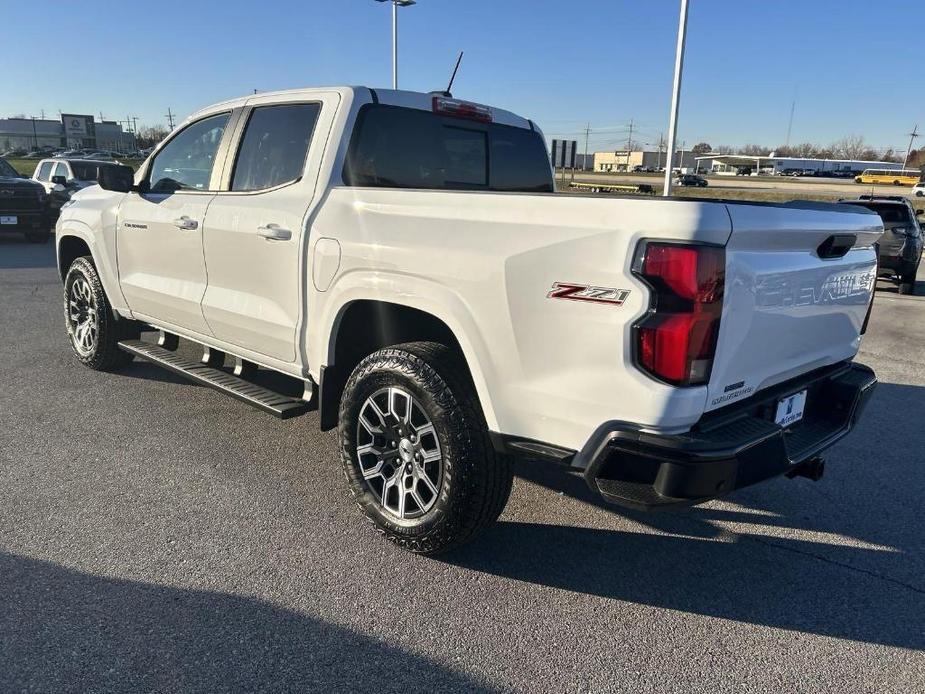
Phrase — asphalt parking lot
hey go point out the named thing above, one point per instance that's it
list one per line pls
(157, 536)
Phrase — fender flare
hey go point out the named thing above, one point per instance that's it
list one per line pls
(428, 297)
(106, 265)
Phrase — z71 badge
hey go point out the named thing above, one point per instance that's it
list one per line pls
(584, 292)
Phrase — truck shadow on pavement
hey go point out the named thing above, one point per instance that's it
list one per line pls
(17, 254)
(773, 564)
(68, 631)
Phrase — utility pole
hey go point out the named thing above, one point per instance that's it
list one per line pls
(914, 134)
(629, 144)
(661, 144)
(676, 93)
(584, 163)
(170, 118)
(793, 105)
(35, 136)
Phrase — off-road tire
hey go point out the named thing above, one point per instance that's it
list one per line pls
(105, 354)
(907, 284)
(475, 482)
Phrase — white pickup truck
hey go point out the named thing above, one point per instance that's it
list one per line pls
(405, 259)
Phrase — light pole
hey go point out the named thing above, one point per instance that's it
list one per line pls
(676, 96)
(395, 5)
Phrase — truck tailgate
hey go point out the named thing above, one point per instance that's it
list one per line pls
(787, 310)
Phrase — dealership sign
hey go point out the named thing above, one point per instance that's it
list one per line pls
(76, 126)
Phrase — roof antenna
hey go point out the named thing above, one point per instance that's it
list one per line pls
(453, 76)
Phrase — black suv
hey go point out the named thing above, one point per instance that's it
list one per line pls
(23, 205)
(691, 180)
(901, 243)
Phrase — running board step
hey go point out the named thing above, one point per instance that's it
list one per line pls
(270, 401)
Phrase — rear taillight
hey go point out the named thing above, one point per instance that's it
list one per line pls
(461, 109)
(676, 341)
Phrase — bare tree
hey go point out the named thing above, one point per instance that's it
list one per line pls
(891, 155)
(849, 147)
(806, 150)
(755, 150)
(916, 158)
(150, 135)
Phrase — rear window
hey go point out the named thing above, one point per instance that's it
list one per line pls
(890, 214)
(87, 171)
(395, 147)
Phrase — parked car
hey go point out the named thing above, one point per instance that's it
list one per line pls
(23, 205)
(444, 311)
(918, 190)
(691, 180)
(900, 247)
(744, 171)
(62, 177)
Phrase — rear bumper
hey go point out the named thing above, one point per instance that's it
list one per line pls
(732, 448)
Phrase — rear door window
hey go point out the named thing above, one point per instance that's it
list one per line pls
(61, 169)
(44, 173)
(274, 146)
(396, 147)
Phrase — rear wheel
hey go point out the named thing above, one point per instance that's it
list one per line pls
(415, 448)
(91, 324)
(907, 284)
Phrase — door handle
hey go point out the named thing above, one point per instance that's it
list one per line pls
(274, 232)
(186, 223)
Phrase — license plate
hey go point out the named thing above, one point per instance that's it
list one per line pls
(9, 219)
(790, 409)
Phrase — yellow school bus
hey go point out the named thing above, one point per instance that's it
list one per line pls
(897, 177)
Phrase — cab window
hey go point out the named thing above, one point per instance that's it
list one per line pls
(397, 147)
(186, 162)
(44, 173)
(274, 146)
(61, 169)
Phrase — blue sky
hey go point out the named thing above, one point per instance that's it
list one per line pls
(852, 65)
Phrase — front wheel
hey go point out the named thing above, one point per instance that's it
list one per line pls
(91, 324)
(415, 448)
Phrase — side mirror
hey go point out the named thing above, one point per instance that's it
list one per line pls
(59, 180)
(919, 212)
(117, 178)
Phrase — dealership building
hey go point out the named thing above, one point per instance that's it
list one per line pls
(730, 164)
(627, 161)
(75, 131)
